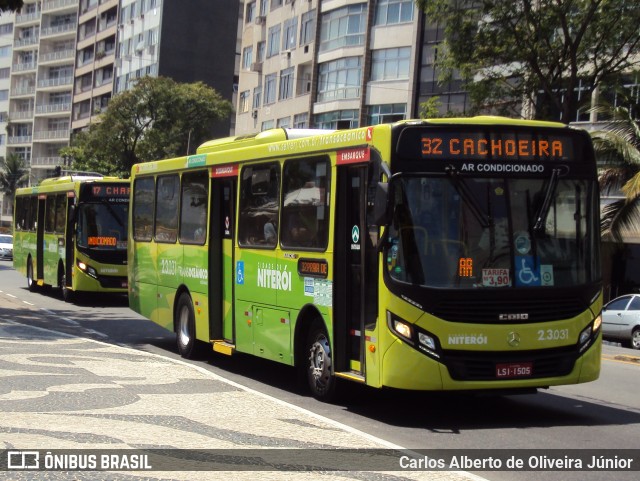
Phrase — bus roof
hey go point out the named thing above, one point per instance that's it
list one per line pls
(265, 137)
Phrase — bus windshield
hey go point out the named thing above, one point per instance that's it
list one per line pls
(491, 232)
(102, 226)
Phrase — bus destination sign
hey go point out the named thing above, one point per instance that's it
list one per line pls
(110, 192)
(495, 146)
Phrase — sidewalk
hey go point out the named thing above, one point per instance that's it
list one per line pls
(59, 392)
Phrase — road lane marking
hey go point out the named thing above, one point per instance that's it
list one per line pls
(623, 359)
(11, 295)
(29, 303)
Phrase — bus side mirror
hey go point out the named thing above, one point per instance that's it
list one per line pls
(381, 214)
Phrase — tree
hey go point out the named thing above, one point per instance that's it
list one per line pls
(618, 149)
(157, 119)
(11, 5)
(535, 51)
(13, 174)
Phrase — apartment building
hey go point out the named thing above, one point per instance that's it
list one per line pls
(42, 82)
(6, 46)
(327, 64)
(186, 41)
(95, 60)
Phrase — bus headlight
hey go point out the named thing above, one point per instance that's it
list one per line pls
(589, 333)
(415, 336)
(90, 271)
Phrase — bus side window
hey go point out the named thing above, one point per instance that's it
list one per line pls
(143, 201)
(259, 205)
(167, 201)
(193, 210)
(305, 204)
(50, 210)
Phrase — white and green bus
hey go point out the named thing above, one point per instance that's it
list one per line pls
(71, 232)
(453, 254)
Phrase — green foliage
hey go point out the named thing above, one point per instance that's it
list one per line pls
(10, 5)
(13, 174)
(617, 148)
(157, 119)
(514, 51)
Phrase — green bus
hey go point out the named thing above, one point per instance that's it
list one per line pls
(452, 254)
(71, 232)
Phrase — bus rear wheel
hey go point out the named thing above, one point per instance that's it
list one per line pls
(319, 377)
(31, 283)
(185, 327)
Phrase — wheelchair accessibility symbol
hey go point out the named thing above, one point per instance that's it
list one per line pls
(527, 271)
(240, 272)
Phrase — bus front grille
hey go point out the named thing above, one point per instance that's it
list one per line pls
(481, 366)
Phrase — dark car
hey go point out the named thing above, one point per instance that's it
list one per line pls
(621, 320)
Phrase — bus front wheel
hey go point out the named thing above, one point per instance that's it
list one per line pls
(320, 379)
(185, 327)
(31, 283)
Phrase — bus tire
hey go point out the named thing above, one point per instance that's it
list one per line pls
(32, 285)
(320, 379)
(67, 294)
(185, 327)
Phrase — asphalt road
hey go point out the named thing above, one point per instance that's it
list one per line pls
(602, 415)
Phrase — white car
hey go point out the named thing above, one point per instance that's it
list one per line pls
(621, 320)
(6, 246)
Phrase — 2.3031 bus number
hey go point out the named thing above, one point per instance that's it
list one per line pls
(553, 334)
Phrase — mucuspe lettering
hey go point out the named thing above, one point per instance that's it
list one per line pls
(274, 279)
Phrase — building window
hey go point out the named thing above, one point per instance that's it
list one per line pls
(286, 84)
(247, 58)
(275, 4)
(289, 33)
(390, 12)
(250, 13)
(269, 89)
(340, 79)
(380, 114)
(343, 27)
(283, 122)
(267, 124)
(257, 97)
(244, 101)
(308, 27)
(301, 121)
(260, 51)
(339, 119)
(391, 64)
(273, 48)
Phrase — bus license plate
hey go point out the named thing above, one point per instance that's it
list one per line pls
(521, 369)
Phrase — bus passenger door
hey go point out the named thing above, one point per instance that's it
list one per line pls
(40, 238)
(221, 271)
(352, 246)
(69, 241)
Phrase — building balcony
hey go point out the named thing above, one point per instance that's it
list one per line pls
(59, 30)
(52, 5)
(22, 91)
(21, 115)
(53, 57)
(27, 18)
(42, 161)
(25, 42)
(52, 135)
(19, 139)
(52, 108)
(54, 82)
(23, 67)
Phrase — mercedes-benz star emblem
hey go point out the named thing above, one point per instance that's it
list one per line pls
(513, 338)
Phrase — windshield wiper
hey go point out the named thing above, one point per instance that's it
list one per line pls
(467, 196)
(543, 212)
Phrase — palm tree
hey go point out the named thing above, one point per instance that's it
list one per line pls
(13, 174)
(617, 147)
